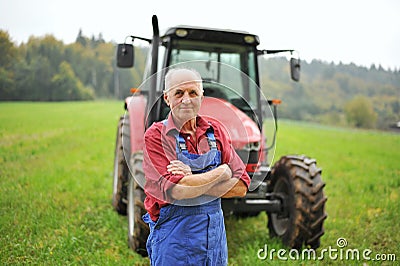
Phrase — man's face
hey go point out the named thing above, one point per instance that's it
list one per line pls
(184, 100)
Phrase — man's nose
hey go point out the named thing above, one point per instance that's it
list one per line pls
(186, 98)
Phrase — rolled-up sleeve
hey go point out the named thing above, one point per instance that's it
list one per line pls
(157, 156)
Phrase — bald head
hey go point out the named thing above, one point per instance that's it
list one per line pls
(181, 76)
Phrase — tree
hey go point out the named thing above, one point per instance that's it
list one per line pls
(81, 39)
(66, 86)
(7, 60)
(360, 113)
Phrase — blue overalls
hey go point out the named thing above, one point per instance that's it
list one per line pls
(190, 232)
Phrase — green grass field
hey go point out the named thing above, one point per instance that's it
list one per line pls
(56, 163)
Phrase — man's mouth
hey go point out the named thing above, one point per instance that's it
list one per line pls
(185, 108)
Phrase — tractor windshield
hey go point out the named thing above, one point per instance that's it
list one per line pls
(219, 63)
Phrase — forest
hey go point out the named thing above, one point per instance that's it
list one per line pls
(46, 69)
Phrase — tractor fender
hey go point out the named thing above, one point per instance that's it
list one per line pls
(136, 108)
(241, 128)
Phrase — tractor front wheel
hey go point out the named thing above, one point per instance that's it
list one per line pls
(138, 230)
(298, 181)
(121, 170)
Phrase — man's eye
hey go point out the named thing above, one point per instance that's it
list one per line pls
(193, 93)
(178, 93)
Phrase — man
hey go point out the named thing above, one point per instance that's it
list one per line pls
(189, 165)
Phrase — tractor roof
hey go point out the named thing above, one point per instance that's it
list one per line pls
(211, 34)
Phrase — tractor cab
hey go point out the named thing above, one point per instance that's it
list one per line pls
(216, 55)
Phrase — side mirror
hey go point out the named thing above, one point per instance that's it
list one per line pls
(295, 69)
(125, 55)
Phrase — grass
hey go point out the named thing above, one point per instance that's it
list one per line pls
(362, 174)
(56, 183)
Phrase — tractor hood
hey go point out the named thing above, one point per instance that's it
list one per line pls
(241, 128)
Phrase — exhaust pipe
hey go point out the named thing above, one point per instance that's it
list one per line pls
(154, 60)
(154, 44)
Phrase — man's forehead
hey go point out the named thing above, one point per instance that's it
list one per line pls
(188, 85)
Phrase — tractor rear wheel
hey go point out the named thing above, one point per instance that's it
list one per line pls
(138, 230)
(121, 170)
(298, 180)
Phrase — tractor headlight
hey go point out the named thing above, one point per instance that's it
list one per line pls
(181, 33)
(249, 39)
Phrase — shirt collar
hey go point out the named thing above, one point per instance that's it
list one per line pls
(201, 123)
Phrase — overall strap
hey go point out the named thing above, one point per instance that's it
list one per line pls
(181, 144)
(212, 142)
(180, 141)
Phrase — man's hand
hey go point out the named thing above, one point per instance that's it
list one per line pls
(177, 167)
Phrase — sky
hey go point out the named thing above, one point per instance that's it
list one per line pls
(348, 31)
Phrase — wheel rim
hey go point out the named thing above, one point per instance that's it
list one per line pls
(131, 208)
(116, 167)
(280, 225)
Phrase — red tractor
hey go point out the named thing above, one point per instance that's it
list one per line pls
(290, 191)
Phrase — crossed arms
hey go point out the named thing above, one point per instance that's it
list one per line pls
(217, 182)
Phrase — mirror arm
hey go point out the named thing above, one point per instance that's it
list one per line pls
(262, 52)
(137, 37)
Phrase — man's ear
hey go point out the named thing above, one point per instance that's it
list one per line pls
(166, 99)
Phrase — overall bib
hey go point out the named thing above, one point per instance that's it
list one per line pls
(190, 232)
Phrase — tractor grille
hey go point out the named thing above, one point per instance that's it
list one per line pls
(248, 157)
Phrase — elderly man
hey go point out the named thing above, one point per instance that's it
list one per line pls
(189, 166)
